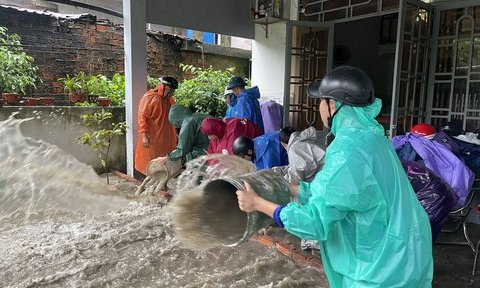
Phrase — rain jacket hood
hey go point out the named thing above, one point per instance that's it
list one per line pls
(191, 142)
(362, 209)
(212, 126)
(227, 131)
(350, 118)
(177, 115)
(253, 92)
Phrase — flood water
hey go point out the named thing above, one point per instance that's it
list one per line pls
(62, 226)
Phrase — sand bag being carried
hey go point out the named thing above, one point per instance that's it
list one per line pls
(162, 171)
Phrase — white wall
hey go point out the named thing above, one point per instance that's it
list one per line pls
(268, 61)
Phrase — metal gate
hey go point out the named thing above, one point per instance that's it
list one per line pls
(455, 91)
(308, 61)
(409, 95)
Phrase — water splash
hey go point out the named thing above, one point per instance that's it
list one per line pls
(40, 181)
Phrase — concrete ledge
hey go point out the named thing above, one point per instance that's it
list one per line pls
(62, 125)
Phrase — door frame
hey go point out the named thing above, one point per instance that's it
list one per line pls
(288, 58)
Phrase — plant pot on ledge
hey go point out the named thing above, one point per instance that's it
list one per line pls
(30, 101)
(11, 98)
(46, 101)
(103, 101)
(77, 98)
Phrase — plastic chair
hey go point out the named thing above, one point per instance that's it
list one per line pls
(460, 214)
(476, 248)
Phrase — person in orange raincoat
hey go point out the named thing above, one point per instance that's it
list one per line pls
(156, 136)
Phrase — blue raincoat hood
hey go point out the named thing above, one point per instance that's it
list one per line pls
(253, 92)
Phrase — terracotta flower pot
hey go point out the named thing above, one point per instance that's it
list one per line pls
(104, 102)
(11, 98)
(46, 101)
(30, 101)
(77, 98)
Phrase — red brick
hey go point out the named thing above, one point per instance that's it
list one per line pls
(266, 240)
(283, 248)
(300, 258)
(101, 28)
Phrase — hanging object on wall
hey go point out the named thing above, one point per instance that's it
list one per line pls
(266, 8)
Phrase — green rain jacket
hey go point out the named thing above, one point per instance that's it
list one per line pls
(363, 210)
(191, 142)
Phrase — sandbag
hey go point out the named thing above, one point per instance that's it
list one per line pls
(435, 196)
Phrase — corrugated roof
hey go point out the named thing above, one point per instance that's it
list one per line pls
(50, 14)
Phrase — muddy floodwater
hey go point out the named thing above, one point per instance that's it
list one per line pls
(62, 226)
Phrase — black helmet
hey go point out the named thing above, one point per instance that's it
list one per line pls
(346, 84)
(169, 81)
(236, 81)
(242, 145)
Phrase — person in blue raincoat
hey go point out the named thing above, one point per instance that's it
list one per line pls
(231, 101)
(373, 232)
(265, 151)
(246, 104)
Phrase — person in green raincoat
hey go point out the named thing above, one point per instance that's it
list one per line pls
(191, 141)
(372, 230)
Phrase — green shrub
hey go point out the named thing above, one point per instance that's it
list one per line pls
(17, 72)
(204, 91)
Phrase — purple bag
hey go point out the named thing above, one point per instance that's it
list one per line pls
(435, 196)
(441, 161)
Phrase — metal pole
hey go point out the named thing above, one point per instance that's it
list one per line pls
(397, 68)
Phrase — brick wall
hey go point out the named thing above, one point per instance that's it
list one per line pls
(61, 47)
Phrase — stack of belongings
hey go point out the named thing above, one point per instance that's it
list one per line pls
(436, 171)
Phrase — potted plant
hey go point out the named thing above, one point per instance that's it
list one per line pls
(103, 91)
(75, 87)
(101, 139)
(30, 101)
(46, 101)
(17, 71)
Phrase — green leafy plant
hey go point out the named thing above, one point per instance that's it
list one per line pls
(17, 72)
(117, 90)
(152, 82)
(100, 140)
(97, 85)
(204, 91)
(76, 84)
